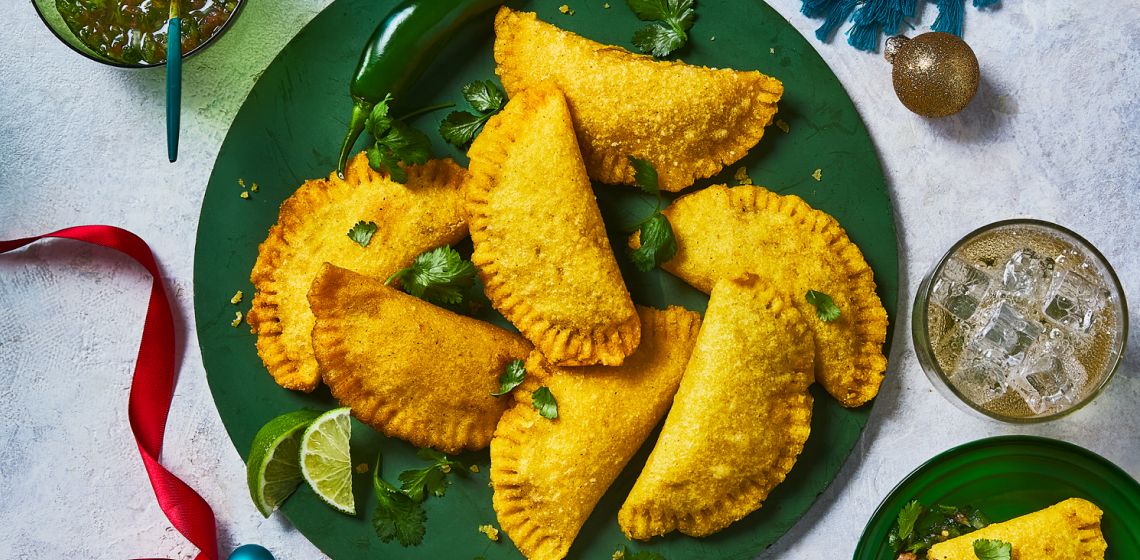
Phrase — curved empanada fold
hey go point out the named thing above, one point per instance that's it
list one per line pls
(540, 243)
(782, 238)
(690, 121)
(312, 229)
(739, 420)
(408, 368)
(549, 474)
(1068, 530)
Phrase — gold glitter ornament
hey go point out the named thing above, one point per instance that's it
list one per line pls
(935, 74)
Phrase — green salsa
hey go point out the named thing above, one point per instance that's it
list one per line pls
(134, 31)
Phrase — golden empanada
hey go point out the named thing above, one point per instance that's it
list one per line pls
(797, 248)
(690, 121)
(540, 244)
(312, 229)
(549, 474)
(406, 367)
(739, 420)
(1069, 530)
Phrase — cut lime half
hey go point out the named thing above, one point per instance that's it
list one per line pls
(325, 461)
(274, 467)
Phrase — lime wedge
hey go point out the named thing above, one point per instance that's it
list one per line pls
(325, 462)
(274, 467)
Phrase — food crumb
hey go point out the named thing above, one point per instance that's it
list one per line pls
(566, 10)
(241, 183)
(780, 124)
(445, 468)
(490, 484)
(607, 6)
(237, 298)
(362, 468)
(491, 532)
(245, 194)
(772, 50)
(818, 174)
(713, 39)
(474, 468)
(254, 188)
(237, 320)
(619, 555)
(742, 176)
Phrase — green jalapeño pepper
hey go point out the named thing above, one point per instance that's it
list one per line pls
(399, 51)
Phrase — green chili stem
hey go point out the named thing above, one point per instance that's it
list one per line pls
(419, 112)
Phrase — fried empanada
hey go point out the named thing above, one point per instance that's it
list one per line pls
(540, 244)
(797, 248)
(549, 474)
(312, 229)
(739, 420)
(1069, 530)
(690, 121)
(408, 368)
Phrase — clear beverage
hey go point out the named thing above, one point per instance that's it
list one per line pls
(1022, 321)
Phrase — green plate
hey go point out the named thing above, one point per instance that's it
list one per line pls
(1010, 476)
(289, 130)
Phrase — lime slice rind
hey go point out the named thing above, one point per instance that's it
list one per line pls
(274, 471)
(325, 461)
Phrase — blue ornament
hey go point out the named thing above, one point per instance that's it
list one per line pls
(251, 552)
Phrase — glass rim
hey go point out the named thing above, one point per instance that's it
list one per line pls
(221, 31)
(923, 345)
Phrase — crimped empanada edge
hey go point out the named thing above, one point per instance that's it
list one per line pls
(608, 346)
(617, 169)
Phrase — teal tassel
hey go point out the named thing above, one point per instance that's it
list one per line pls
(949, 17)
(836, 12)
(984, 3)
(876, 15)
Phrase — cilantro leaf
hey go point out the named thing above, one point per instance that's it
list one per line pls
(825, 307)
(543, 401)
(624, 554)
(658, 243)
(460, 127)
(484, 96)
(660, 40)
(511, 377)
(441, 460)
(396, 516)
(396, 143)
(645, 175)
(907, 516)
(439, 275)
(418, 483)
(362, 232)
(988, 549)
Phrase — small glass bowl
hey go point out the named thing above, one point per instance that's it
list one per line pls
(51, 17)
(944, 341)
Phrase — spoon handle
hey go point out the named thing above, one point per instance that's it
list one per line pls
(173, 81)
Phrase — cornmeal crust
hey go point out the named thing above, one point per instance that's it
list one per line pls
(408, 368)
(720, 230)
(1069, 530)
(690, 121)
(312, 228)
(739, 419)
(549, 474)
(540, 243)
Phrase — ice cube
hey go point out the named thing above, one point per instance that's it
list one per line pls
(1028, 276)
(959, 288)
(979, 377)
(1007, 335)
(1051, 375)
(1075, 302)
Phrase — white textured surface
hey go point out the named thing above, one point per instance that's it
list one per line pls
(1053, 133)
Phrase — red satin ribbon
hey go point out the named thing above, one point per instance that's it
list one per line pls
(152, 389)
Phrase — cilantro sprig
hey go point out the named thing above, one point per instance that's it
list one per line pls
(660, 40)
(396, 143)
(825, 307)
(990, 549)
(362, 232)
(460, 127)
(398, 512)
(543, 401)
(439, 275)
(512, 377)
(918, 528)
(625, 554)
(658, 243)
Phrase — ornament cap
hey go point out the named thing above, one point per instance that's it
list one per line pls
(894, 43)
